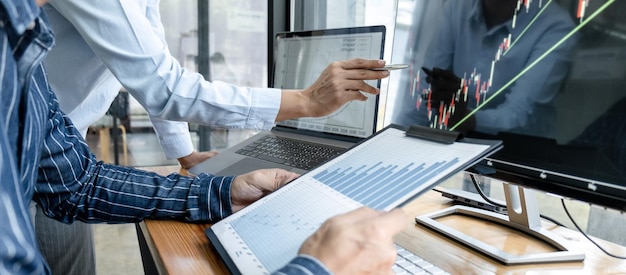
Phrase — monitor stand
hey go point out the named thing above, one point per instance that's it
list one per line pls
(523, 215)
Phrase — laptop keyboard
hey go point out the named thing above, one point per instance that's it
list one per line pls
(292, 153)
(409, 263)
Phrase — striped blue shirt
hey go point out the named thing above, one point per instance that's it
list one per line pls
(45, 159)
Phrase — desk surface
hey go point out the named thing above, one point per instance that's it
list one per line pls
(182, 248)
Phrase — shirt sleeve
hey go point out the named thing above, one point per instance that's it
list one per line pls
(174, 137)
(305, 265)
(73, 185)
(121, 34)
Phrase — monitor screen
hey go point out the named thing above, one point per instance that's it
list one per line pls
(548, 78)
(299, 59)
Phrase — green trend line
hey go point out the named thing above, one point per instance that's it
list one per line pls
(528, 26)
(567, 36)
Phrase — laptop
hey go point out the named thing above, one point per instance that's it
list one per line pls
(301, 144)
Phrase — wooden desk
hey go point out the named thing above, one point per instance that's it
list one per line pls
(182, 248)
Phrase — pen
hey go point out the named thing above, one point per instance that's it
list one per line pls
(392, 67)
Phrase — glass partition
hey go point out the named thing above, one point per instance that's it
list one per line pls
(322, 14)
(225, 40)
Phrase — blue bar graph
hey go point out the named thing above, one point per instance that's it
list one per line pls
(380, 184)
(382, 173)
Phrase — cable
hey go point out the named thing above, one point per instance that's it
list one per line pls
(480, 192)
(552, 220)
(586, 236)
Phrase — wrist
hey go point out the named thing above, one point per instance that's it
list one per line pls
(186, 162)
(293, 104)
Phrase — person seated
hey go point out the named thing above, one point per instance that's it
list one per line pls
(493, 65)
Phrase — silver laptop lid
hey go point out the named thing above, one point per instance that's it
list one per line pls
(300, 57)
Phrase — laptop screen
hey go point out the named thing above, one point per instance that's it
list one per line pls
(300, 57)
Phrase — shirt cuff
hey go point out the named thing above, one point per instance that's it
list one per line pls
(174, 137)
(304, 264)
(266, 103)
(213, 198)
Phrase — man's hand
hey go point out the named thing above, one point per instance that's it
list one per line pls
(358, 242)
(338, 84)
(195, 158)
(446, 88)
(444, 85)
(249, 187)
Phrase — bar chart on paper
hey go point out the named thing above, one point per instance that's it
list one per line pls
(381, 183)
(382, 173)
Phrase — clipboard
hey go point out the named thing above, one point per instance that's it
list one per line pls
(385, 171)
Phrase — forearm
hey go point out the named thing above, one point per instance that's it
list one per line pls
(113, 194)
(72, 185)
(292, 105)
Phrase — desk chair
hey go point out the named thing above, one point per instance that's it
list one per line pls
(110, 126)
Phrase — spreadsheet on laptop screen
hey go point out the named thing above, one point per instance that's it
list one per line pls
(300, 59)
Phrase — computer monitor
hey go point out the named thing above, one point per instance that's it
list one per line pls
(554, 91)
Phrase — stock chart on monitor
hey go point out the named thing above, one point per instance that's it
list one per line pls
(547, 77)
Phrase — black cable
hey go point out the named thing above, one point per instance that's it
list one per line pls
(437, 190)
(482, 194)
(552, 220)
(586, 236)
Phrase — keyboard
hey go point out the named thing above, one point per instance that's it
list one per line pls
(294, 153)
(409, 263)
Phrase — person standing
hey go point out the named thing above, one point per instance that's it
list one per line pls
(104, 46)
(45, 160)
(489, 44)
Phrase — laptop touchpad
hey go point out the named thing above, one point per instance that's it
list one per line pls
(249, 164)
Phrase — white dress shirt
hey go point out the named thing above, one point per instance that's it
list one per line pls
(104, 45)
